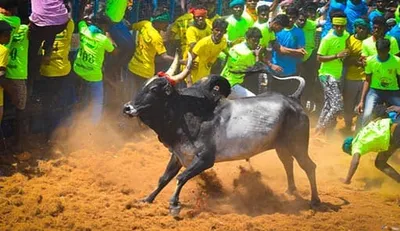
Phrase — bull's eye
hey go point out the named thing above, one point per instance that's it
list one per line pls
(153, 89)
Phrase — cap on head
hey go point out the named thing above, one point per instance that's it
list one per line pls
(347, 144)
(237, 3)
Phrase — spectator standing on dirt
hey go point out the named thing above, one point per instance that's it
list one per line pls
(57, 84)
(89, 63)
(381, 135)
(354, 75)
(381, 83)
(290, 53)
(331, 54)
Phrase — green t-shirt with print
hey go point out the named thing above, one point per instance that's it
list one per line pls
(383, 74)
(332, 44)
(17, 67)
(89, 61)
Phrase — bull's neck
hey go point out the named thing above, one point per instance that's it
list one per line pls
(167, 122)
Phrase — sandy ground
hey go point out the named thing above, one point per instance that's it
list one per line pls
(100, 188)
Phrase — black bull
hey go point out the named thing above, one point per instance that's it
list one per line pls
(201, 127)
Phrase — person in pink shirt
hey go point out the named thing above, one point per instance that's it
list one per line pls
(48, 18)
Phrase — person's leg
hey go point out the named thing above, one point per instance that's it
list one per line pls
(381, 164)
(351, 96)
(122, 36)
(334, 97)
(50, 33)
(393, 97)
(238, 91)
(371, 100)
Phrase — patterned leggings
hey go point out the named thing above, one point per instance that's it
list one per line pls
(333, 102)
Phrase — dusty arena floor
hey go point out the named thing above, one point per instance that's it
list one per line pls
(100, 188)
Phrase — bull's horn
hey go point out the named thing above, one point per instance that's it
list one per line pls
(174, 65)
(185, 71)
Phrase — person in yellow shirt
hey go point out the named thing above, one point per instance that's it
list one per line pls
(149, 44)
(177, 31)
(199, 29)
(354, 74)
(206, 51)
(57, 82)
(5, 34)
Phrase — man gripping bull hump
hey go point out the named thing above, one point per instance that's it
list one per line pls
(200, 127)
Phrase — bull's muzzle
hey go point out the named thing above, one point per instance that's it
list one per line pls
(130, 110)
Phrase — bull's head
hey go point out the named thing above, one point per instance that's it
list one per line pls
(157, 90)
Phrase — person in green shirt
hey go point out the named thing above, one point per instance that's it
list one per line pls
(381, 135)
(331, 53)
(89, 63)
(241, 57)
(381, 83)
(237, 25)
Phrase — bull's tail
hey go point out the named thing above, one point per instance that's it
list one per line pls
(299, 89)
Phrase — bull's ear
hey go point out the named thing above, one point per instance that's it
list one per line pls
(222, 86)
(168, 89)
(219, 87)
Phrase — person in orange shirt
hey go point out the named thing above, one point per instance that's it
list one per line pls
(250, 13)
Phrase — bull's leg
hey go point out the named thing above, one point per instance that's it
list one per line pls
(198, 165)
(172, 169)
(287, 160)
(309, 167)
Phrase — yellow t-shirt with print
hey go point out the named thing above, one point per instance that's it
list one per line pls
(59, 62)
(354, 72)
(207, 53)
(179, 28)
(149, 43)
(3, 64)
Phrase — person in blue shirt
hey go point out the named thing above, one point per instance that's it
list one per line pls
(395, 33)
(334, 5)
(379, 11)
(290, 53)
(354, 9)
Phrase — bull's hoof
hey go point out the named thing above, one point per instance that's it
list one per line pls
(147, 200)
(315, 203)
(174, 210)
(291, 191)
